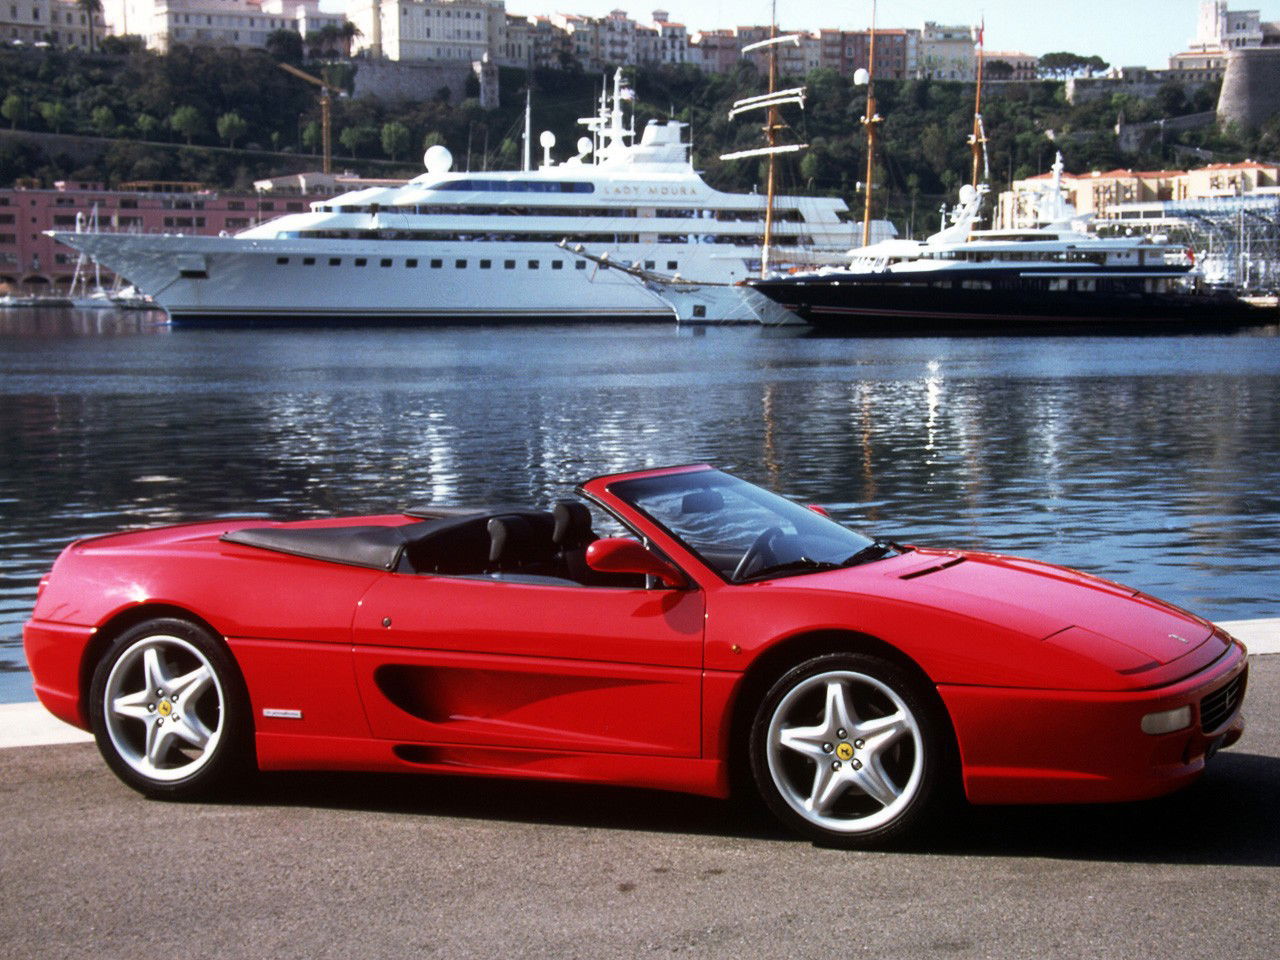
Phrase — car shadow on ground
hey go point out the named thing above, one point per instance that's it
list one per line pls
(1226, 818)
(517, 801)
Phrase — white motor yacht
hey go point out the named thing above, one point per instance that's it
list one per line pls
(455, 246)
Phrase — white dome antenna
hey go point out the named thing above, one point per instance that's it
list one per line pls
(437, 159)
(547, 140)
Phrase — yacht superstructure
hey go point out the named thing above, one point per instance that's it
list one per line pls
(452, 245)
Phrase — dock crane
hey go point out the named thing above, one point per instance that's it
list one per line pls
(325, 100)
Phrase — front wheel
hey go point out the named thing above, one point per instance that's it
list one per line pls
(169, 711)
(846, 750)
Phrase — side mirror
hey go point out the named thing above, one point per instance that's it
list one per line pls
(624, 555)
(819, 508)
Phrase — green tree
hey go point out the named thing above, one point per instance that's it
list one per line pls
(1062, 64)
(186, 121)
(231, 127)
(13, 109)
(55, 114)
(395, 137)
(349, 31)
(325, 41)
(999, 69)
(357, 138)
(285, 45)
(147, 125)
(90, 9)
(103, 120)
(312, 136)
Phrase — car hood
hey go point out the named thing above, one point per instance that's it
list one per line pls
(1107, 622)
(1049, 601)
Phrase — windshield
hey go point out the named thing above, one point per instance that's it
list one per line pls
(742, 531)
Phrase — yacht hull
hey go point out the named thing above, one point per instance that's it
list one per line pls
(881, 306)
(225, 280)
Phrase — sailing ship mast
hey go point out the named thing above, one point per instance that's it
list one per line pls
(770, 102)
(978, 139)
(871, 120)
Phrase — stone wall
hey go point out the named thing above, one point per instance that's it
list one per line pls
(1249, 88)
(1141, 83)
(1134, 137)
(397, 81)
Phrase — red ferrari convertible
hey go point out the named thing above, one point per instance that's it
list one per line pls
(723, 629)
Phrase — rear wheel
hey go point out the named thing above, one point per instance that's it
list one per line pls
(169, 711)
(846, 750)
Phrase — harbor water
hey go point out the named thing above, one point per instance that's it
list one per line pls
(1154, 461)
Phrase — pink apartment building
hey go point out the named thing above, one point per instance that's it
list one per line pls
(30, 262)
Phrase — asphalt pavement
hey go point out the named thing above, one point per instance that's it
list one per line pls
(360, 866)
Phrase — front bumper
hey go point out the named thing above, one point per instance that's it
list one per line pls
(1055, 746)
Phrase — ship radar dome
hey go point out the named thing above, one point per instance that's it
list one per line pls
(437, 159)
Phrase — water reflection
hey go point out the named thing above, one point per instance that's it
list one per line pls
(1156, 462)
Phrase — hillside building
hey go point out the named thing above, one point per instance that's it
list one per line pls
(61, 23)
(1025, 67)
(30, 262)
(1219, 30)
(1113, 194)
(715, 51)
(233, 23)
(948, 52)
(428, 30)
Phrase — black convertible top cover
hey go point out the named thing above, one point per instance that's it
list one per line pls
(379, 548)
(452, 540)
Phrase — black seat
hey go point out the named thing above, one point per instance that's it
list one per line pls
(521, 542)
(572, 525)
(572, 536)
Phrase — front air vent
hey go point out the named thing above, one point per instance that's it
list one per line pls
(1218, 707)
(934, 569)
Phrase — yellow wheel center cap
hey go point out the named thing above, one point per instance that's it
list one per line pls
(166, 708)
(845, 751)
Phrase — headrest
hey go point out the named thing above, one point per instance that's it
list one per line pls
(510, 539)
(573, 523)
(702, 501)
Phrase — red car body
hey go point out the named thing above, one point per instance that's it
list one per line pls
(1045, 673)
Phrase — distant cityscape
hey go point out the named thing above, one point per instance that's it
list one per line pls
(388, 37)
(466, 31)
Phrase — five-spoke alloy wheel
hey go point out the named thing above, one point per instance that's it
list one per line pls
(168, 710)
(847, 751)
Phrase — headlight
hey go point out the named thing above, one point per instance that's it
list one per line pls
(1167, 721)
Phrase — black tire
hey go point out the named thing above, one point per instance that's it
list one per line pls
(171, 671)
(873, 776)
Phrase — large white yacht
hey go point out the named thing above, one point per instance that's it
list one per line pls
(452, 245)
